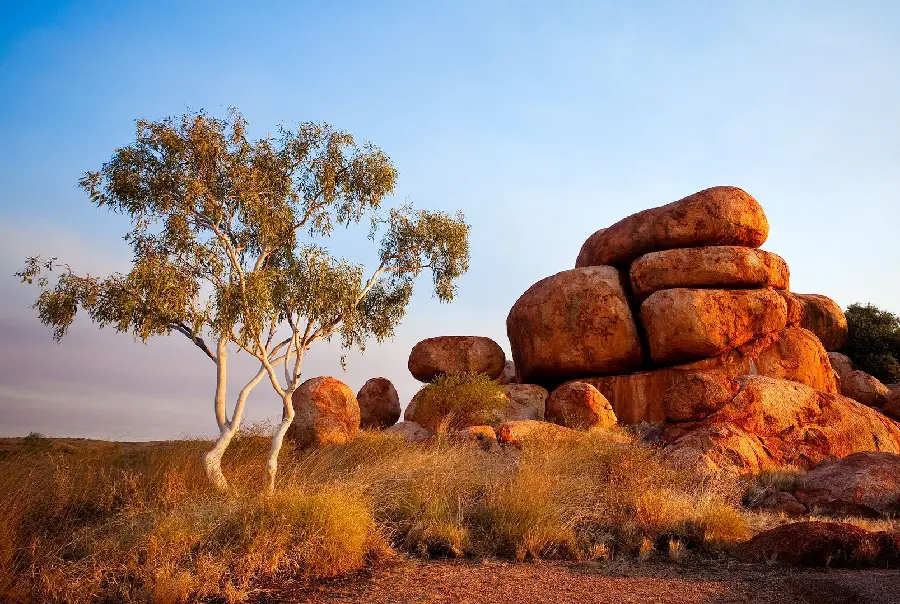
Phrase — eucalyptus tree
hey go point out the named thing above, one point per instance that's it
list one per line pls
(227, 237)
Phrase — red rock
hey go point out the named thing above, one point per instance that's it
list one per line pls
(379, 404)
(517, 433)
(456, 354)
(577, 322)
(526, 401)
(794, 354)
(813, 543)
(409, 431)
(483, 434)
(892, 405)
(780, 502)
(688, 324)
(326, 413)
(726, 267)
(716, 216)
(579, 406)
(864, 388)
(774, 423)
(841, 364)
(862, 484)
(819, 314)
(692, 396)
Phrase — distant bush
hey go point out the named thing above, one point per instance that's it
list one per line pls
(873, 341)
(460, 400)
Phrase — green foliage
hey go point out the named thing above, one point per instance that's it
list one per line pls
(217, 222)
(460, 399)
(873, 341)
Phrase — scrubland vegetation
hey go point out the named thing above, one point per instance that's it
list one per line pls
(95, 521)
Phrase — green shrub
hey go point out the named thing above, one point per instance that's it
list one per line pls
(873, 342)
(460, 400)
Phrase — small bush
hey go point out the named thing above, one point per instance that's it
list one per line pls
(459, 400)
(873, 341)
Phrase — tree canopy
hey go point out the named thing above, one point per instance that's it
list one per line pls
(873, 341)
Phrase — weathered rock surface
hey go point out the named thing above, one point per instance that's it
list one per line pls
(692, 396)
(813, 543)
(688, 324)
(726, 267)
(716, 216)
(780, 502)
(862, 484)
(456, 354)
(773, 423)
(326, 413)
(892, 405)
(819, 314)
(410, 431)
(841, 364)
(579, 406)
(577, 322)
(509, 374)
(519, 432)
(526, 401)
(794, 354)
(379, 404)
(865, 388)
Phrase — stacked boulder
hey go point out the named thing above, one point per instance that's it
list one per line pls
(678, 289)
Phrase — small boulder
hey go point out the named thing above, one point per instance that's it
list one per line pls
(456, 354)
(526, 401)
(814, 544)
(821, 315)
(721, 267)
(780, 502)
(409, 431)
(865, 388)
(379, 404)
(841, 364)
(518, 433)
(715, 216)
(862, 484)
(575, 323)
(326, 413)
(509, 374)
(579, 406)
(687, 324)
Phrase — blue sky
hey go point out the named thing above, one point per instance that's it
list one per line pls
(542, 122)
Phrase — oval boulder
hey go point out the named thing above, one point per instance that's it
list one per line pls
(379, 404)
(326, 413)
(580, 406)
(456, 354)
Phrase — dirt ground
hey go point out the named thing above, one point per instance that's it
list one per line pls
(495, 582)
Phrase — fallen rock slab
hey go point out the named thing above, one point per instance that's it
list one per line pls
(433, 357)
(689, 324)
(577, 322)
(725, 267)
(861, 484)
(326, 413)
(715, 216)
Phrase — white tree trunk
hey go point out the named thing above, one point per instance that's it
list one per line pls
(277, 441)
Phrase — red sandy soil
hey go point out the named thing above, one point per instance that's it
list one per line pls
(494, 582)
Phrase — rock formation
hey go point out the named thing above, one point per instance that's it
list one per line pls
(862, 484)
(580, 406)
(379, 404)
(326, 413)
(456, 354)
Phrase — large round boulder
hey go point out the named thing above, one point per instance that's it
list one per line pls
(577, 322)
(688, 324)
(864, 388)
(326, 413)
(726, 267)
(819, 314)
(862, 484)
(580, 406)
(456, 354)
(794, 354)
(716, 216)
(379, 404)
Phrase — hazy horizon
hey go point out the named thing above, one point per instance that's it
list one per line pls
(542, 123)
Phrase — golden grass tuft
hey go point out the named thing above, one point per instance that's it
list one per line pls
(137, 522)
(457, 400)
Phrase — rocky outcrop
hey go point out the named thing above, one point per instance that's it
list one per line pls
(326, 413)
(692, 396)
(688, 324)
(841, 364)
(575, 323)
(526, 401)
(820, 315)
(518, 433)
(725, 267)
(456, 354)
(817, 544)
(410, 431)
(716, 216)
(579, 406)
(379, 404)
(862, 484)
(864, 388)
(794, 354)
(773, 423)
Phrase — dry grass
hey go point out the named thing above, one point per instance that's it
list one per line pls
(113, 522)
